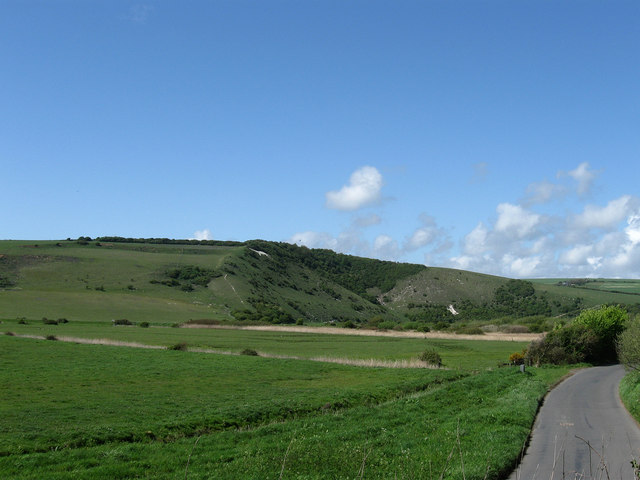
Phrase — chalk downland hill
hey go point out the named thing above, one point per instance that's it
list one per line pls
(175, 281)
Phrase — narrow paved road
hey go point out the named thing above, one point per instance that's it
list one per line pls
(583, 431)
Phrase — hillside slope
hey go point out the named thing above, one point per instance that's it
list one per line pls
(174, 281)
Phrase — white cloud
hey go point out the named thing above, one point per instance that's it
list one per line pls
(584, 177)
(607, 217)
(577, 255)
(352, 240)
(633, 229)
(364, 188)
(203, 235)
(427, 234)
(543, 192)
(386, 248)
(420, 238)
(522, 267)
(314, 240)
(524, 239)
(475, 242)
(515, 220)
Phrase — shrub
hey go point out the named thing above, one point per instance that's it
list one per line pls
(441, 325)
(22, 321)
(249, 351)
(300, 321)
(470, 331)
(175, 325)
(606, 323)
(63, 320)
(591, 338)
(49, 321)
(516, 358)
(144, 325)
(348, 324)
(386, 325)
(180, 346)
(516, 329)
(202, 321)
(122, 321)
(431, 357)
(564, 345)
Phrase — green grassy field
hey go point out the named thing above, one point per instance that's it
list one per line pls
(72, 410)
(92, 283)
(456, 354)
(594, 292)
(94, 411)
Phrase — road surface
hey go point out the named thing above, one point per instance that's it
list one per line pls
(583, 431)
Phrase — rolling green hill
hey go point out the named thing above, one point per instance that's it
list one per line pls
(173, 281)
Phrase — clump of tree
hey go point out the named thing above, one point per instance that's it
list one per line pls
(169, 241)
(197, 275)
(188, 275)
(518, 297)
(264, 313)
(430, 313)
(590, 338)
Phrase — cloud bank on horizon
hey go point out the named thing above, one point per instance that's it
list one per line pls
(518, 240)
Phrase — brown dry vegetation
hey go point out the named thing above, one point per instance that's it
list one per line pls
(500, 336)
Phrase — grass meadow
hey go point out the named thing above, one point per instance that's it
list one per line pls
(63, 279)
(192, 406)
(457, 354)
(95, 411)
(596, 292)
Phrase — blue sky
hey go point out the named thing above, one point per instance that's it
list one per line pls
(496, 136)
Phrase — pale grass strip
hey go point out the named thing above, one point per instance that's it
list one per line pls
(96, 341)
(363, 362)
(506, 337)
(359, 362)
(107, 341)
